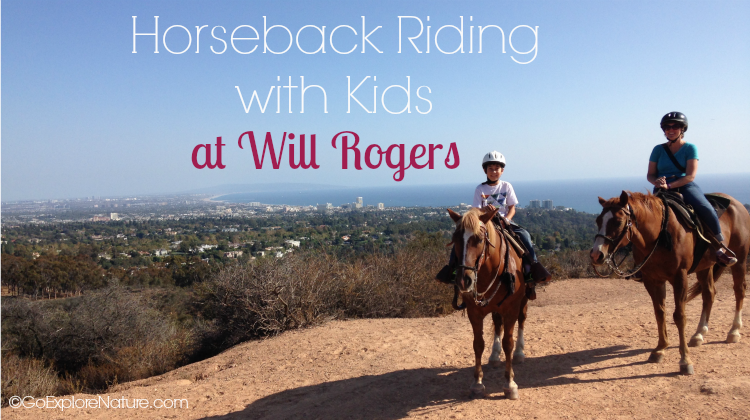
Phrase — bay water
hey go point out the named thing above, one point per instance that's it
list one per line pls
(579, 194)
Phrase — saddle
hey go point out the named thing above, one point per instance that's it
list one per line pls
(503, 228)
(690, 218)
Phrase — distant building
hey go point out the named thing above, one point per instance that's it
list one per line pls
(535, 204)
(324, 207)
(292, 243)
(359, 200)
(547, 204)
(381, 206)
(114, 216)
(254, 204)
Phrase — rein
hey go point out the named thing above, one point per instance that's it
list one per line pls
(482, 258)
(615, 267)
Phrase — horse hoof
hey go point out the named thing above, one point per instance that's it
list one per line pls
(496, 363)
(519, 357)
(656, 358)
(733, 338)
(686, 370)
(511, 393)
(477, 391)
(695, 342)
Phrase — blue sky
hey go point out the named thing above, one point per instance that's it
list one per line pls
(82, 115)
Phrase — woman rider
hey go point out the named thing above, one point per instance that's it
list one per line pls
(664, 174)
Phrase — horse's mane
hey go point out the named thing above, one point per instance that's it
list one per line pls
(639, 201)
(470, 221)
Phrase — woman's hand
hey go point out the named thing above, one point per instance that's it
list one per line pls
(661, 182)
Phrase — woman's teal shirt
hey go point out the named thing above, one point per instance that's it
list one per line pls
(664, 165)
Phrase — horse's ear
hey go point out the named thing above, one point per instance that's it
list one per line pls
(455, 216)
(624, 198)
(488, 215)
(602, 201)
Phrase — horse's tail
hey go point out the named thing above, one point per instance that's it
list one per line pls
(694, 290)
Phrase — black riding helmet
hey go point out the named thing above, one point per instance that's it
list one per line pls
(675, 117)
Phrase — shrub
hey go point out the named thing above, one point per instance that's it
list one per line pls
(274, 295)
(22, 377)
(568, 264)
(105, 336)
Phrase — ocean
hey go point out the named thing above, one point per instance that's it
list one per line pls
(580, 195)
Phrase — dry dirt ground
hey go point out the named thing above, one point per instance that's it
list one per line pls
(587, 342)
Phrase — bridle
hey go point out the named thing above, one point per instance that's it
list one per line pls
(479, 298)
(609, 259)
(628, 225)
(481, 258)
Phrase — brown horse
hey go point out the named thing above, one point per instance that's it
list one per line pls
(488, 264)
(643, 220)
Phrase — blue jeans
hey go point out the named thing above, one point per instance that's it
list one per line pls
(522, 234)
(525, 238)
(693, 195)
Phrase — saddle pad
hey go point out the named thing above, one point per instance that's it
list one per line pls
(719, 203)
(687, 214)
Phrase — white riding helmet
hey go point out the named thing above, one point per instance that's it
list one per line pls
(493, 157)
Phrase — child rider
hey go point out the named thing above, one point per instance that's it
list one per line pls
(494, 193)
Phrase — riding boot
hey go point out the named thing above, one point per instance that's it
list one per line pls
(724, 256)
(539, 274)
(447, 274)
(725, 259)
(636, 277)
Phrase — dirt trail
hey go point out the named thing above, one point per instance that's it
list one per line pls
(587, 342)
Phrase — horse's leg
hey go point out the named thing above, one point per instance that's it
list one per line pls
(518, 354)
(706, 281)
(738, 274)
(477, 325)
(496, 346)
(510, 389)
(658, 293)
(680, 298)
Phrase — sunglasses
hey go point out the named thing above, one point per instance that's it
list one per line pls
(666, 127)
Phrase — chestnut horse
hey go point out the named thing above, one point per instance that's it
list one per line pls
(483, 279)
(643, 220)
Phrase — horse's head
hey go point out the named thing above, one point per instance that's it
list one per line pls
(470, 244)
(614, 224)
